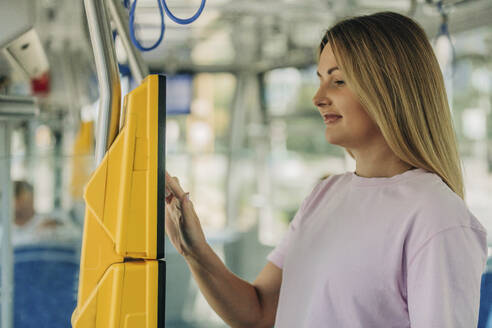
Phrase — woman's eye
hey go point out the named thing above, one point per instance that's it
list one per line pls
(340, 82)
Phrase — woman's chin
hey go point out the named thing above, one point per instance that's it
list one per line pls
(332, 139)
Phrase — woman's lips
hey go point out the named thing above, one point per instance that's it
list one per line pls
(331, 118)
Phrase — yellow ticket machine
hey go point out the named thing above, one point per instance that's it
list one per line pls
(122, 267)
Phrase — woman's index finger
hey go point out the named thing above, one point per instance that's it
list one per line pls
(174, 186)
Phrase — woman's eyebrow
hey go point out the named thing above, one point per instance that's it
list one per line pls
(329, 71)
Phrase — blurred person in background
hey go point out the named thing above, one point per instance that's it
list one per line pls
(30, 227)
(392, 244)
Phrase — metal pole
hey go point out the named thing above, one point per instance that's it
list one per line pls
(11, 108)
(107, 75)
(236, 137)
(137, 65)
(488, 129)
(6, 216)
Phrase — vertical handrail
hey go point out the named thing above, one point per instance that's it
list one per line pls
(137, 65)
(6, 216)
(11, 109)
(236, 136)
(107, 75)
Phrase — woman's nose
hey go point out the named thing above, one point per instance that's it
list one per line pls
(320, 100)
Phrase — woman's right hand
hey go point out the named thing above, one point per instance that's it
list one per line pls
(182, 224)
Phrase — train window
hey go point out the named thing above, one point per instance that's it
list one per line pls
(469, 90)
(198, 145)
(282, 89)
(179, 91)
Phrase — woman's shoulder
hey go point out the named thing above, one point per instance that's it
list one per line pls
(440, 209)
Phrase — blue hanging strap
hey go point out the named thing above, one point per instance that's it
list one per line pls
(161, 3)
(183, 21)
(132, 28)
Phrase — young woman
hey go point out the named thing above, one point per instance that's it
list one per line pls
(392, 244)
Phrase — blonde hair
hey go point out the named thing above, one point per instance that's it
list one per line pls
(389, 63)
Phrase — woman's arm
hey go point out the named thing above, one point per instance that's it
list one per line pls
(238, 302)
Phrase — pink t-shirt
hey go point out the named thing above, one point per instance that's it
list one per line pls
(402, 251)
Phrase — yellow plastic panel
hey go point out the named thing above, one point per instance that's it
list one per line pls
(129, 295)
(140, 295)
(106, 293)
(124, 219)
(96, 256)
(139, 238)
